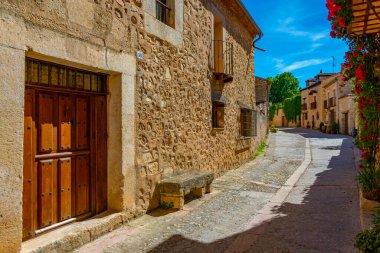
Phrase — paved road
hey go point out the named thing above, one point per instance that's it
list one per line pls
(318, 210)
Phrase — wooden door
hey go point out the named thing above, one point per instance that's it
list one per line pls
(65, 171)
(345, 123)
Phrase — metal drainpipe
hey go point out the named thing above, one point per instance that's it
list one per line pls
(256, 40)
(254, 104)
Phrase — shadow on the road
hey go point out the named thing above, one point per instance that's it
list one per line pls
(310, 133)
(321, 218)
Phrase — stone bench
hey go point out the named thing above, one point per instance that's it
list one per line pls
(173, 189)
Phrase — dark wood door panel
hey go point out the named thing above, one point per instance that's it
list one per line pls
(28, 168)
(81, 123)
(82, 187)
(47, 178)
(47, 129)
(101, 153)
(65, 189)
(65, 120)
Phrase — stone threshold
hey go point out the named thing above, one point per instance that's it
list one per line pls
(76, 234)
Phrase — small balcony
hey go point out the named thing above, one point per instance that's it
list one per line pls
(313, 105)
(304, 107)
(221, 60)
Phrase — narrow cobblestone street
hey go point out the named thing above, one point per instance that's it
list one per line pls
(279, 202)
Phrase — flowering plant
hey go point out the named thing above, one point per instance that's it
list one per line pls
(340, 15)
(359, 69)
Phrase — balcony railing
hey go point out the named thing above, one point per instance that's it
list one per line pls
(313, 105)
(304, 107)
(162, 12)
(221, 60)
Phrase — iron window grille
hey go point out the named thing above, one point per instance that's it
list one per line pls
(163, 12)
(247, 122)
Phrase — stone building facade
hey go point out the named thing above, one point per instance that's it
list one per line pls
(279, 120)
(160, 86)
(312, 101)
(262, 88)
(340, 104)
(327, 100)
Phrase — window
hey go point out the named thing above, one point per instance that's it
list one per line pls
(164, 19)
(247, 123)
(218, 104)
(40, 73)
(165, 11)
(217, 115)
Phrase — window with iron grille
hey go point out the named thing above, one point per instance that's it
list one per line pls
(247, 122)
(165, 12)
(217, 115)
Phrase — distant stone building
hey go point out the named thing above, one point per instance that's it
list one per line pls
(311, 99)
(327, 100)
(103, 99)
(279, 120)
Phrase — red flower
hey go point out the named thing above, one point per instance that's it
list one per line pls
(370, 137)
(365, 154)
(358, 89)
(365, 126)
(332, 34)
(360, 104)
(341, 22)
(360, 73)
(347, 56)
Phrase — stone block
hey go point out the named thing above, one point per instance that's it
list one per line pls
(199, 192)
(209, 188)
(175, 201)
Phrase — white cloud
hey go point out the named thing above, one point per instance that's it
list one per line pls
(303, 64)
(313, 47)
(316, 45)
(279, 63)
(287, 27)
(287, 21)
(318, 36)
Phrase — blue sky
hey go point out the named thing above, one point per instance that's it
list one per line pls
(296, 38)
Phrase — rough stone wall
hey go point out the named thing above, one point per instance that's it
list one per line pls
(262, 87)
(173, 95)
